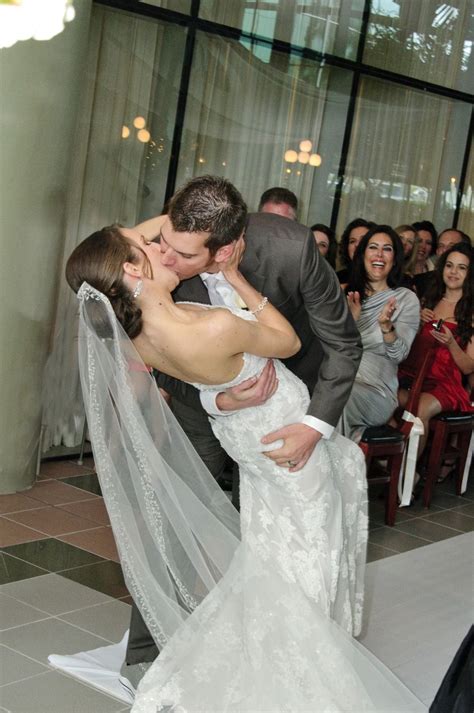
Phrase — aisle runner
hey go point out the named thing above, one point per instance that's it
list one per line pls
(99, 668)
(418, 609)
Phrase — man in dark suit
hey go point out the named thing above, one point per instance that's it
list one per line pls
(206, 218)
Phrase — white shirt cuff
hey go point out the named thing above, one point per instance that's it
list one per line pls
(325, 429)
(208, 402)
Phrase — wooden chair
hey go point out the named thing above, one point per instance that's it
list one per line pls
(441, 448)
(388, 443)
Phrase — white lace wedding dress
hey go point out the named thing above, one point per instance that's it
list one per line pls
(275, 634)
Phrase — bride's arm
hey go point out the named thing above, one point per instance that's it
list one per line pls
(233, 335)
(266, 314)
(150, 229)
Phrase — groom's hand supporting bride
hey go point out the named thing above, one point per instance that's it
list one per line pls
(251, 392)
(299, 439)
(299, 442)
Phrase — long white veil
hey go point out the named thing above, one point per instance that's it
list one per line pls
(175, 530)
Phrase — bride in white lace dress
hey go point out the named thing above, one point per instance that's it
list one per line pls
(274, 634)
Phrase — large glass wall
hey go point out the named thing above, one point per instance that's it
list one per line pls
(325, 97)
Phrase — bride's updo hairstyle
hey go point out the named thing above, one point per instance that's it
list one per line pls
(99, 261)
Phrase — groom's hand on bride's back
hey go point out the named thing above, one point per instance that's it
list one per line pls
(251, 392)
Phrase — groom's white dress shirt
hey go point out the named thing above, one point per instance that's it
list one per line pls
(221, 293)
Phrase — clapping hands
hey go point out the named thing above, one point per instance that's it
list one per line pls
(353, 302)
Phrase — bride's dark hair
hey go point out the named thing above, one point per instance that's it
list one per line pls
(99, 261)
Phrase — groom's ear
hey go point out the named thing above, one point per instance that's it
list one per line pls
(225, 252)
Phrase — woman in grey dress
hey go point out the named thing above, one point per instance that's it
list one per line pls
(388, 317)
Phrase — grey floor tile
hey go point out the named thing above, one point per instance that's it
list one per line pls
(15, 613)
(427, 530)
(393, 539)
(467, 509)
(107, 620)
(49, 636)
(454, 519)
(54, 594)
(52, 555)
(447, 500)
(16, 667)
(88, 482)
(105, 577)
(13, 569)
(54, 693)
(375, 552)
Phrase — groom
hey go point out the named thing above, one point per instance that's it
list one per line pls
(206, 217)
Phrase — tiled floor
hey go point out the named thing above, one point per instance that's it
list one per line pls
(63, 591)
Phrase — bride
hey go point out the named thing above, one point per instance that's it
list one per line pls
(250, 618)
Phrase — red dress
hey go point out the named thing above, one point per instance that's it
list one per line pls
(443, 379)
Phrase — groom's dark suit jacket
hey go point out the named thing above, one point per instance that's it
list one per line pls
(282, 261)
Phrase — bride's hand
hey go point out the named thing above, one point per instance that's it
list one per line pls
(230, 267)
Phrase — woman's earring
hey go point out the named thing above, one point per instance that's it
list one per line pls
(138, 289)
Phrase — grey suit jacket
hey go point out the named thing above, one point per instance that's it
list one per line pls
(282, 261)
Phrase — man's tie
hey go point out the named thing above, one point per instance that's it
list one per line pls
(220, 292)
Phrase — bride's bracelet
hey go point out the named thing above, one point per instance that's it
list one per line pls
(260, 306)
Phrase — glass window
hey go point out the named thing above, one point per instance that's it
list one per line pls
(264, 123)
(425, 39)
(328, 26)
(466, 216)
(406, 146)
(176, 5)
(127, 117)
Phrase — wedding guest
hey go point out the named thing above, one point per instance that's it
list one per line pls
(279, 200)
(326, 242)
(447, 327)
(350, 239)
(427, 246)
(410, 242)
(387, 316)
(446, 239)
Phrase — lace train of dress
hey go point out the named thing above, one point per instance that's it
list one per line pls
(275, 634)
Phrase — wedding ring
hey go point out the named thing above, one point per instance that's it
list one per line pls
(291, 463)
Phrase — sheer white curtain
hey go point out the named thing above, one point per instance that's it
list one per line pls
(105, 185)
(396, 154)
(243, 114)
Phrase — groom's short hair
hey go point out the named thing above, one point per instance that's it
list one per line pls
(209, 204)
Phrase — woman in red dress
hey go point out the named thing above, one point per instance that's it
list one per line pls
(447, 327)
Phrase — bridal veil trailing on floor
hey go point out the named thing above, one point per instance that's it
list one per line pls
(251, 623)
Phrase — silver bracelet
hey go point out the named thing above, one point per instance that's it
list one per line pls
(260, 306)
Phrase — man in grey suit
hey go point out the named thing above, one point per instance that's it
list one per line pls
(206, 218)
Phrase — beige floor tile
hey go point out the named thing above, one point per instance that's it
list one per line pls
(99, 541)
(94, 510)
(109, 620)
(54, 594)
(50, 636)
(54, 693)
(13, 533)
(54, 492)
(51, 521)
(17, 667)
(16, 613)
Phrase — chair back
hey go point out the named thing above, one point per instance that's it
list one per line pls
(411, 408)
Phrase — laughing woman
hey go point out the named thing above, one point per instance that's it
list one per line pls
(387, 316)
